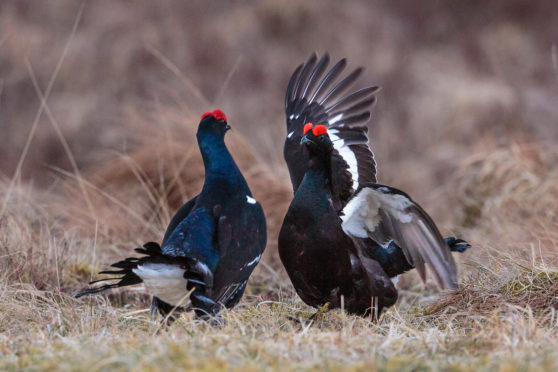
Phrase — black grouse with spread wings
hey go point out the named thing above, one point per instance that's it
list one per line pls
(344, 235)
(316, 95)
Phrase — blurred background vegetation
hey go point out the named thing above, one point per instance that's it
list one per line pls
(455, 75)
(466, 120)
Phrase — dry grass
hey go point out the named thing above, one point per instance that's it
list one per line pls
(502, 318)
(466, 124)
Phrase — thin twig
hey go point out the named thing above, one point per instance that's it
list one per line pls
(225, 84)
(175, 70)
(130, 211)
(555, 61)
(11, 254)
(136, 312)
(55, 248)
(94, 250)
(62, 139)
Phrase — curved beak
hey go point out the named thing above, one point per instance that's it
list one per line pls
(227, 127)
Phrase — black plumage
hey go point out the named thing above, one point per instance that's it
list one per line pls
(314, 95)
(212, 243)
(324, 258)
(323, 263)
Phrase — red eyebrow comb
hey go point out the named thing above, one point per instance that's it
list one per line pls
(319, 129)
(217, 114)
(307, 127)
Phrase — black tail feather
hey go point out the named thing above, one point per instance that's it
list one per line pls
(152, 250)
(128, 279)
(394, 262)
(457, 245)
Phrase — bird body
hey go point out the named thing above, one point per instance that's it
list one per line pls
(211, 245)
(313, 251)
(322, 261)
(344, 236)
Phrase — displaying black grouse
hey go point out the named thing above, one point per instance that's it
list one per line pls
(212, 244)
(337, 243)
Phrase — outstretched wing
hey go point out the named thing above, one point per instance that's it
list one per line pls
(316, 96)
(384, 213)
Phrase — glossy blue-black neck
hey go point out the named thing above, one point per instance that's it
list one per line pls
(320, 169)
(311, 197)
(219, 165)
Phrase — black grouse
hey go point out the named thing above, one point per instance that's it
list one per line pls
(344, 236)
(212, 244)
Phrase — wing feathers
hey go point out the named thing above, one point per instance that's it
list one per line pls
(355, 108)
(342, 86)
(329, 78)
(359, 95)
(316, 74)
(304, 75)
(318, 95)
(384, 213)
(357, 119)
(289, 96)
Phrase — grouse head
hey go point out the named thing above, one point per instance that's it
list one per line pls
(213, 123)
(316, 140)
